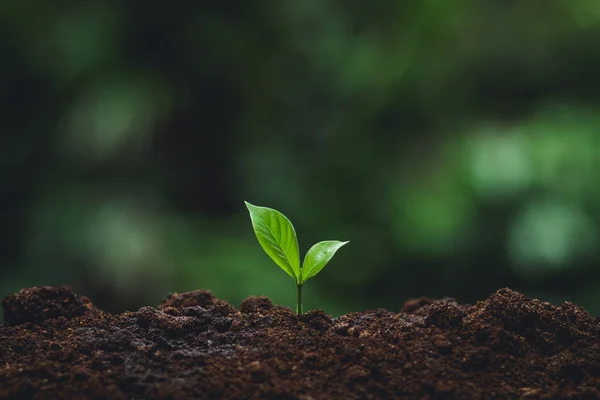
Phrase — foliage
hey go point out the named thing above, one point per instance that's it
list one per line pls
(277, 236)
(455, 143)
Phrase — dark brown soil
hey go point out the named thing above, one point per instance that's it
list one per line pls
(56, 345)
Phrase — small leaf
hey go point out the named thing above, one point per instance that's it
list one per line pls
(277, 237)
(318, 256)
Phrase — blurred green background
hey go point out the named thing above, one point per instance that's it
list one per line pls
(455, 144)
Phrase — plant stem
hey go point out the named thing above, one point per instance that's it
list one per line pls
(299, 306)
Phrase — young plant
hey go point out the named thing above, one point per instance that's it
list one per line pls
(277, 236)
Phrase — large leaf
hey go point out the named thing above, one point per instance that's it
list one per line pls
(318, 256)
(277, 237)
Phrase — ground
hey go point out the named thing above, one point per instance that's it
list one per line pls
(56, 345)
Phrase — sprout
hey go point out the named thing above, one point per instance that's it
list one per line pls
(277, 236)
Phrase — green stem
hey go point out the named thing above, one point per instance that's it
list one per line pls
(299, 306)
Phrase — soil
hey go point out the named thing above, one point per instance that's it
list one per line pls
(56, 345)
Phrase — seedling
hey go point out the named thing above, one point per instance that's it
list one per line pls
(277, 236)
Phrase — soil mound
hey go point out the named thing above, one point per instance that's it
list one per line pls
(56, 345)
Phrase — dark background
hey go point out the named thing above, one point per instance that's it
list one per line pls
(453, 143)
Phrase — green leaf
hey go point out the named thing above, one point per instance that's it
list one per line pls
(318, 256)
(277, 237)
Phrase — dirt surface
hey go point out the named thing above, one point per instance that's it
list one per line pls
(56, 345)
